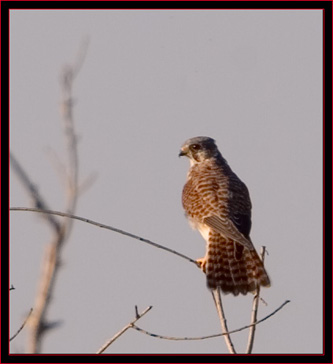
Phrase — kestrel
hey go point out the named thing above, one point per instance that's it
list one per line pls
(217, 203)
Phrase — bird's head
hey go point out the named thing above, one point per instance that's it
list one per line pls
(199, 149)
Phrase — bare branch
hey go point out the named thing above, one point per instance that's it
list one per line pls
(103, 226)
(36, 322)
(163, 337)
(22, 326)
(115, 337)
(51, 263)
(218, 303)
(255, 306)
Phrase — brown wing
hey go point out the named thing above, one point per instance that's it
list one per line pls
(239, 205)
(220, 200)
(227, 228)
(230, 212)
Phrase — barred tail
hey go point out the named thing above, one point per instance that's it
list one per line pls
(232, 267)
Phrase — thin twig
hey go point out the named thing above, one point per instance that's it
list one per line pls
(80, 56)
(255, 306)
(115, 337)
(103, 226)
(22, 326)
(163, 337)
(32, 190)
(11, 288)
(218, 303)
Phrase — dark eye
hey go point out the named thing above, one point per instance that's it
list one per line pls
(196, 146)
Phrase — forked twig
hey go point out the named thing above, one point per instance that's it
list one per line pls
(163, 337)
(131, 324)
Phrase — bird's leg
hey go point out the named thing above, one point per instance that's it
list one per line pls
(201, 263)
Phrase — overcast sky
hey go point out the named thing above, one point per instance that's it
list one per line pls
(250, 79)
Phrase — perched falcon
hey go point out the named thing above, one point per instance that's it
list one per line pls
(217, 203)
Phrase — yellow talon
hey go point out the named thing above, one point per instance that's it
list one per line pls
(202, 264)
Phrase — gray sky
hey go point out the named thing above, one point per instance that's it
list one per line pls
(252, 80)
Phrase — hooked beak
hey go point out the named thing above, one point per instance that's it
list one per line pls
(181, 153)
